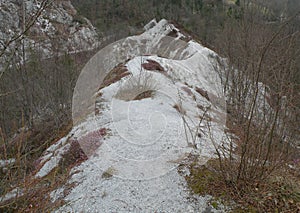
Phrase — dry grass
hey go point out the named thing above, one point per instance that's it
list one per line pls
(109, 173)
(36, 194)
(179, 109)
(146, 94)
(262, 158)
(278, 193)
(202, 92)
(115, 75)
(138, 87)
(27, 147)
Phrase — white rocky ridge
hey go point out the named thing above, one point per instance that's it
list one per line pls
(134, 167)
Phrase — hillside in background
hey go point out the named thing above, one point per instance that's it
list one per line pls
(205, 18)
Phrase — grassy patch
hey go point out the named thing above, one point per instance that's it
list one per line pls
(146, 94)
(204, 179)
(138, 87)
(36, 193)
(278, 193)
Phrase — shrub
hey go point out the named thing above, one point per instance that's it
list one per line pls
(137, 87)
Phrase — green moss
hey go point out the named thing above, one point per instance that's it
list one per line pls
(200, 179)
(215, 204)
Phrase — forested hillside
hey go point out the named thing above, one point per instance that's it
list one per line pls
(205, 18)
(129, 16)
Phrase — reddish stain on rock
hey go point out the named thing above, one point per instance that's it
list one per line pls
(152, 66)
(92, 141)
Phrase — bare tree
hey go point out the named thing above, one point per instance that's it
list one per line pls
(261, 97)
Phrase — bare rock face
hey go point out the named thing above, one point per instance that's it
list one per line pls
(58, 29)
